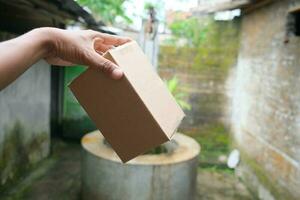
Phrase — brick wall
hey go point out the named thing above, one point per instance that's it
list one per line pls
(202, 72)
(265, 103)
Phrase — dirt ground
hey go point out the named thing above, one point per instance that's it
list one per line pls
(58, 178)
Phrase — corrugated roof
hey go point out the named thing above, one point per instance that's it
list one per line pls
(23, 15)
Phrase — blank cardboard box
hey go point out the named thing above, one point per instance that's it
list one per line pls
(134, 114)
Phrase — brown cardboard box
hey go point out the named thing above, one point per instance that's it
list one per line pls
(135, 113)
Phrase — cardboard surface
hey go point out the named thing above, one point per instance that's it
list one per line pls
(134, 114)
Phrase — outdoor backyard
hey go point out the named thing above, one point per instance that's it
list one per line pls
(231, 66)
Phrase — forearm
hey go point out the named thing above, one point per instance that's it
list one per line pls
(58, 47)
(18, 54)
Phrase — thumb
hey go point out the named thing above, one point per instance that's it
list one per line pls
(99, 62)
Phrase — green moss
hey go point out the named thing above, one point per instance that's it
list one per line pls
(214, 140)
(217, 51)
(16, 156)
(267, 181)
(218, 169)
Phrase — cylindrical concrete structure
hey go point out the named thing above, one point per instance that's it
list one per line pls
(166, 176)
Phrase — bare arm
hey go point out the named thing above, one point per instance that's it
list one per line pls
(58, 47)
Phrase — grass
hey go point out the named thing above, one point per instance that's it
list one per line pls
(217, 169)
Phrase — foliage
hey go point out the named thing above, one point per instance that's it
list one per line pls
(193, 30)
(172, 85)
(106, 10)
(158, 6)
(149, 5)
(157, 150)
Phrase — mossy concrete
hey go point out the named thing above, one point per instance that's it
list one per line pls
(218, 50)
(202, 72)
(17, 156)
(260, 183)
(56, 177)
(265, 101)
(24, 123)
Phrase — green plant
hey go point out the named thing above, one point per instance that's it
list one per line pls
(149, 5)
(106, 10)
(157, 150)
(180, 96)
(192, 29)
(158, 6)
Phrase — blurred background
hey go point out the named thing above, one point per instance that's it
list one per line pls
(232, 65)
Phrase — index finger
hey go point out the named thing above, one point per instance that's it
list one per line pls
(109, 39)
(115, 40)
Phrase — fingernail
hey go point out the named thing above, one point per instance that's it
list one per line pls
(117, 74)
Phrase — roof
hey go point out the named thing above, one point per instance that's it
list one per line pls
(71, 7)
(223, 5)
(19, 16)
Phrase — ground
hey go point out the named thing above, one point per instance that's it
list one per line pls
(220, 185)
(58, 177)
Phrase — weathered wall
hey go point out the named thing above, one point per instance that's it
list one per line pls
(265, 106)
(24, 122)
(202, 72)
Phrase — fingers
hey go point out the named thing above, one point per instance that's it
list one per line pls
(106, 66)
(100, 47)
(109, 39)
(115, 40)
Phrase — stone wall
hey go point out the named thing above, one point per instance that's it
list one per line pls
(202, 72)
(265, 103)
(24, 122)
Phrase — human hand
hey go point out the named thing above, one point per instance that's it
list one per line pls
(84, 47)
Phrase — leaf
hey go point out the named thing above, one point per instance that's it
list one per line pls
(172, 85)
(184, 105)
(180, 95)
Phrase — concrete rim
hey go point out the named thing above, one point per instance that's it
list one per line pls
(187, 149)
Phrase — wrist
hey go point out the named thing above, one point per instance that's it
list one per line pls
(45, 40)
